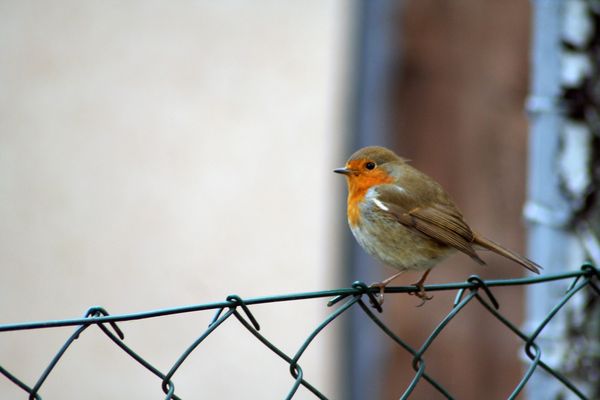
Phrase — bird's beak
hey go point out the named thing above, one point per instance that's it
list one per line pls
(344, 171)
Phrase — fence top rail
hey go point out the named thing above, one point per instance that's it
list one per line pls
(358, 288)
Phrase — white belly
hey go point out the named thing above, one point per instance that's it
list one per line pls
(394, 244)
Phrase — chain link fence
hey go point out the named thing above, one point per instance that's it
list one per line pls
(342, 300)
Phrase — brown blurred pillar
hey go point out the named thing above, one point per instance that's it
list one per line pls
(457, 112)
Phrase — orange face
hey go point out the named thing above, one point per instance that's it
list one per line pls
(361, 174)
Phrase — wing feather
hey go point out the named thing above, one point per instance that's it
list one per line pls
(441, 222)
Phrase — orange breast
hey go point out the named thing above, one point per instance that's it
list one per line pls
(358, 185)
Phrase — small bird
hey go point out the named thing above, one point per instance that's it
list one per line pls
(406, 220)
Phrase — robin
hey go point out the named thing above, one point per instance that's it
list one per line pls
(406, 220)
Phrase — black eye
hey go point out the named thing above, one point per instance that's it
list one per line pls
(370, 165)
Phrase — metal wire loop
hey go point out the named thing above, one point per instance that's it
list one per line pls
(237, 301)
(98, 311)
(364, 289)
(480, 284)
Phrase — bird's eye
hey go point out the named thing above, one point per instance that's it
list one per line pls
(370, 165)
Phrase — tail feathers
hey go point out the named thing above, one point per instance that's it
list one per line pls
(498, 249)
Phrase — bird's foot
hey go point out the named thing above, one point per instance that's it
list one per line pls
(421, 294)
(378, 296)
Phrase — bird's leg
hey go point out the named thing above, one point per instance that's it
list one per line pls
(421, 293)
(381, 285)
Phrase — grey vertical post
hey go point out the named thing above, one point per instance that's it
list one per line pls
(552, 242)
(366, 346)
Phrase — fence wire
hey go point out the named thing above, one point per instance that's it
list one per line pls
(473, 288)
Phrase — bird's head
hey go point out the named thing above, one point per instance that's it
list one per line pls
(370, 166)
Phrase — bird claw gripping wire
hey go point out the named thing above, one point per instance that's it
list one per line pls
(477, 283)
(236, 301)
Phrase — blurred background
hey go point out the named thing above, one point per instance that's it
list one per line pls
(158, 154)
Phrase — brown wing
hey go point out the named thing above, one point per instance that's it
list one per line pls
(442, 222)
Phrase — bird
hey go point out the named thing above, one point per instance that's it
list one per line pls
(406, 220)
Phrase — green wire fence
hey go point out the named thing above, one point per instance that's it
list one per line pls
(342, 300)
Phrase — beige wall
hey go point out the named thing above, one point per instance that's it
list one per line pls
(155, 154)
